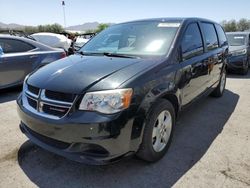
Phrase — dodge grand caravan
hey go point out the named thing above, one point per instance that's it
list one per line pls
(122, 93)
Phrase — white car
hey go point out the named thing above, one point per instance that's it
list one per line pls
(80, 42)
(53, 40)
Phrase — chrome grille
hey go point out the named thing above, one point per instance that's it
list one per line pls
(51, 104)
(65, 97)
(33, 89)
(32, 102)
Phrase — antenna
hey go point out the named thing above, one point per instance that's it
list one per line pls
(64, 17)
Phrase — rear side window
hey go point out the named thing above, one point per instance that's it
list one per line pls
(210, 36)
(15, 46)
(221, 35)
(192, 44)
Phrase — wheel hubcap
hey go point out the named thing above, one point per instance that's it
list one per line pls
(162, 131)
(223, 81)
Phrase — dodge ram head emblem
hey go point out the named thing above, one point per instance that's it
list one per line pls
(40, 107)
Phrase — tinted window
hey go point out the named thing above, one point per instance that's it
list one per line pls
(210, 36)
(237, 39)
(135, 38)
(192, 44)
(14, 46)
(221, 35)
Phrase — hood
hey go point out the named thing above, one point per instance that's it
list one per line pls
(236, 48)
(76, 73)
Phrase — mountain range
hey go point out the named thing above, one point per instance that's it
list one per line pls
(11, 26)
(81, 27)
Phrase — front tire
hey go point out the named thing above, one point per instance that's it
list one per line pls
(158, 131)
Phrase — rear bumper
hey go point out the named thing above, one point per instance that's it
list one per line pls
(84, 137)
(236, 62)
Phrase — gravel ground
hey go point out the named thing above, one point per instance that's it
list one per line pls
(211, 148)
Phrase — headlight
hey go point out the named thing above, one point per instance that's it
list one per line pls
(107, 102)
(239, 52)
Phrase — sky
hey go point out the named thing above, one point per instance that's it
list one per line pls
(36, 12)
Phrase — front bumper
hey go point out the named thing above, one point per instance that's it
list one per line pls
(236, 62)
(85, 137)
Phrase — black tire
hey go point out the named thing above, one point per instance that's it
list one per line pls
(146, 150)
(219, 90)
(244, 71)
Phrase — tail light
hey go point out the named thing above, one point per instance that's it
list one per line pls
(63, 54)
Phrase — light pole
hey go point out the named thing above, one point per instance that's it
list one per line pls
(64, 17)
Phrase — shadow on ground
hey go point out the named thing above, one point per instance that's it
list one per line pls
(10, 94)
(196, 130)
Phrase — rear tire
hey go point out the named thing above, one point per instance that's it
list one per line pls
(158, 131)
(219, 90)
(245, 68)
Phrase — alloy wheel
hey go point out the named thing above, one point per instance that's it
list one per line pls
(222, 82)
(162, 131)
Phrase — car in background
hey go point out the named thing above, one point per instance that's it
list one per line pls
(20, 56)
(76, 45)
(78, 41)
(239, 51)
(122, 92)
(53, 40)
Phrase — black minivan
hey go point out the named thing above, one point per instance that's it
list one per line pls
(121, 94)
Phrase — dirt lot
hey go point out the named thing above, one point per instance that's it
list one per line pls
(211, 148)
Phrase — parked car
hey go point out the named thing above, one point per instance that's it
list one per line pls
(122, 96)
(239, 50)
(20, 56)
(53, 40)
(79, 41)
(76, 45)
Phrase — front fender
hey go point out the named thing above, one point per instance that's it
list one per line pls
(159, 91)
(150, 87)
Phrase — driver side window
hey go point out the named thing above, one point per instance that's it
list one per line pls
(192, 44)
(14, 46)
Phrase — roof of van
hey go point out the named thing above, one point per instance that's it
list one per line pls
(239, 32)
(174, 19)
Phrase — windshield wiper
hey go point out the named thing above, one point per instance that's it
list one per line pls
(119, 55)
(108, 54)
(88, 53)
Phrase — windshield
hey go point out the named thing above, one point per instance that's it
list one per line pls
(236, 39)
(134, 39)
